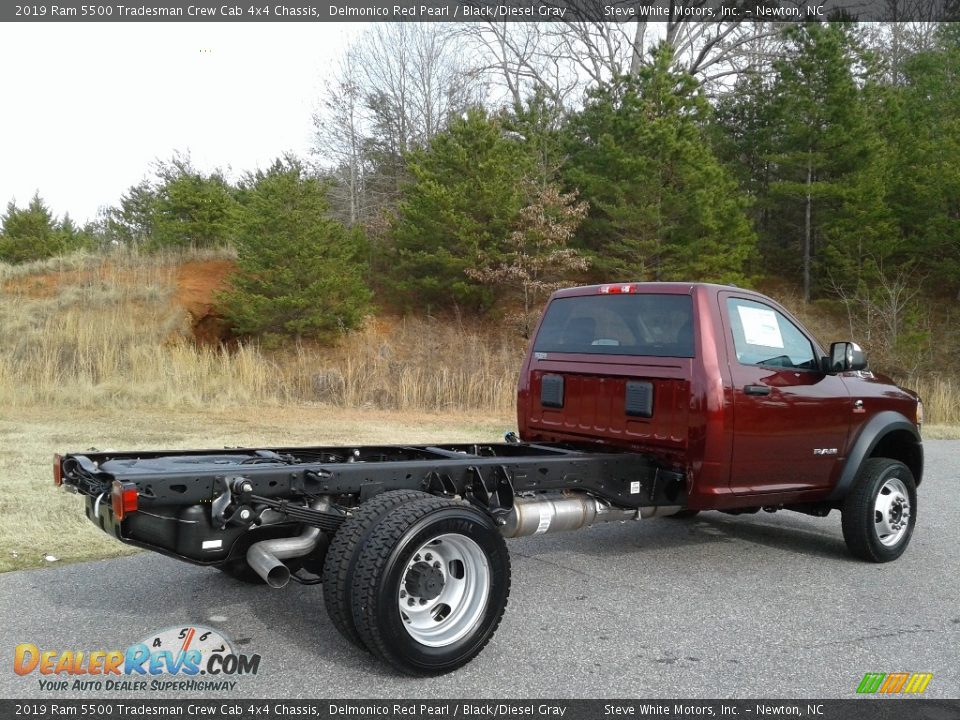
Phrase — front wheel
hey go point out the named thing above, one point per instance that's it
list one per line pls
(430, 586)
(880, 512)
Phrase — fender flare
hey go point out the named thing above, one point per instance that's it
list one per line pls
(870, 435)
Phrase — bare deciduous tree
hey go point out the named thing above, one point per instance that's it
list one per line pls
(895, 42)
(561, 57)
(878, 307)
(339, 136)
(392, 92)
(538, 260)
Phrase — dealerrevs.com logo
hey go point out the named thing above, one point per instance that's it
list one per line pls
(189, 658)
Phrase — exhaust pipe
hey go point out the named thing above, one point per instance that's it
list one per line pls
(532, 516)
(265, 556)
(537, 516)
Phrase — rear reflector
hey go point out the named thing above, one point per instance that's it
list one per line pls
(123, 497)
(57, 471)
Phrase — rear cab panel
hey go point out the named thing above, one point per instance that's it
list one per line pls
(625, 365)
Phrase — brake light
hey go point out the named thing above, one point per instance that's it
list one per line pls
(617, 289)
(57, 471)
(123, 497)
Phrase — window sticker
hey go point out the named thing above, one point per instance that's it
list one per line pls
(760, 326)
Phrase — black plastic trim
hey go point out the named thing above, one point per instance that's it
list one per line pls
(638, 399)
(871, 434)
(551, 391)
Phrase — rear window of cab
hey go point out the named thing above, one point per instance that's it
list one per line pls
(627, 324)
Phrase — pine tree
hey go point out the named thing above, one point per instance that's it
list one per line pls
(921, 122)
(298, 271)
(132, 221)
(662, 207)
(742, 136)
(465, 196)
(34, 233)
(827, 188)
(191, 209)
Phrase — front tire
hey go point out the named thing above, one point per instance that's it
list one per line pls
(880, 512)
(431, 586)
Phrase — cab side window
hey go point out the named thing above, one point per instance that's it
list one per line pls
(764, 336)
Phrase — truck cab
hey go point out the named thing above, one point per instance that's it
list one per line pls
(720, 382)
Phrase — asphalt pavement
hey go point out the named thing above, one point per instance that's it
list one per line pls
(715, 607)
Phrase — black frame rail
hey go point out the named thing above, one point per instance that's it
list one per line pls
(488, 474)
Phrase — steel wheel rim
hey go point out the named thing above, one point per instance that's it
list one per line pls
(891, 512)
(460, 605)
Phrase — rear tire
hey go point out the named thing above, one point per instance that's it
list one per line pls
(431, 586)
(343, 553)
(880, 512)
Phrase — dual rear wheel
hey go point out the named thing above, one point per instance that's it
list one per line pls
(421, 582)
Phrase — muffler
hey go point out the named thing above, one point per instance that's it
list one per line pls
(537, 516)
(265, 556)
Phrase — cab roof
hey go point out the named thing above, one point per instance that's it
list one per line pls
(650, 288)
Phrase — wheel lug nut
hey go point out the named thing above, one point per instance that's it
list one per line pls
(416, 557)
(437, 564)
(410, 601)
(428, 557)
(403, 593)
(423, 602)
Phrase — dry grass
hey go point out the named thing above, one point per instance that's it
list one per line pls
(87, 331)
(105, 264)
(46, 520)
(411, 364)
(95, 330)
(941, 399)
(90, 331)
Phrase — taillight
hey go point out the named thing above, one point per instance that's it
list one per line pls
(123, 497)
(57, 471)
(617, 289)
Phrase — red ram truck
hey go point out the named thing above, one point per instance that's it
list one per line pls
(635, 400)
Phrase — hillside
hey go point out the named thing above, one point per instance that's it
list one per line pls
(141, 330)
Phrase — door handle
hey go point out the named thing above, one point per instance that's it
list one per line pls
(756, 389)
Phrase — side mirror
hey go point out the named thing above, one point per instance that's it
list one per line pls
(846, 356)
